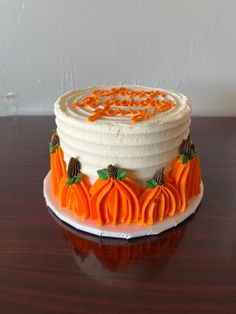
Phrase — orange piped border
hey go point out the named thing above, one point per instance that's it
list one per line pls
(121, 201)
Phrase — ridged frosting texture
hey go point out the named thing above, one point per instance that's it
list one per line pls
(140, 147)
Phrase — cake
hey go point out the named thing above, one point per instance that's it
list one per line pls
(123, 154)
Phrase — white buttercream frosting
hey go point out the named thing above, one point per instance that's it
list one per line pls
(141, 147)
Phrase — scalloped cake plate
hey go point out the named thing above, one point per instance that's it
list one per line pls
(116, 231)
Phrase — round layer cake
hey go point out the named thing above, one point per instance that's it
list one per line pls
(122, 161)
(133, 127)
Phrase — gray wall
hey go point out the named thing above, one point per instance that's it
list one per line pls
(50, 46)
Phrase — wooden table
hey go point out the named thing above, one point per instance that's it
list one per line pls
(45, 267)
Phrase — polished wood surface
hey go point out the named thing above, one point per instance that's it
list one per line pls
(46, 267)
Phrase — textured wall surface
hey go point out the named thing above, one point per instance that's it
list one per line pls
(50, 46)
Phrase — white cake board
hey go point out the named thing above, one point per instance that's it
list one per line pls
(124, 231)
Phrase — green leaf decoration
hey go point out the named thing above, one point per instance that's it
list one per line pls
(184, 158)
(103, 174)
(193, 154)
(74, 180)
(78, 178)
(151, 183)
(121, 174)
(53, 148)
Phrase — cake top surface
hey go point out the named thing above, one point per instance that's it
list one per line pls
(128, 105)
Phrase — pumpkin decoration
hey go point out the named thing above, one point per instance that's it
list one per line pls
(158, 200)
(186, 172)
(57, 163)
(74, 190)
(113, 199)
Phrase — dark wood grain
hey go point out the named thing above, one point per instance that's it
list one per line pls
(45, 267)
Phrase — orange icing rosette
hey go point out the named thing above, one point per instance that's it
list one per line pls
(74, 190)
(113, 199)
(158, 200)
(186, 173)
(57, 163)
(140, 105)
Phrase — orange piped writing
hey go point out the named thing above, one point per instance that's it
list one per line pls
(114, 102)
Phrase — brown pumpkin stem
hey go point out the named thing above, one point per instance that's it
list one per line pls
(187, 147)
(55, 139)
(73, 168)
(159, 176)
(113, 171)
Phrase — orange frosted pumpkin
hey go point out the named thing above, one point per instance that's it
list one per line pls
(113, 199)
(74, 190)
(57, 163)
(186, 173)
(158, 200)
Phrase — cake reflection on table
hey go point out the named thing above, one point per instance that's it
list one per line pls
(108, 260)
